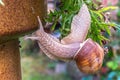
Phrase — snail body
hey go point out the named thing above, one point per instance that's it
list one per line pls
(79, 26)
(87, 54)
(50, 45)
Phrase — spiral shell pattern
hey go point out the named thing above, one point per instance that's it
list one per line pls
(90, 57)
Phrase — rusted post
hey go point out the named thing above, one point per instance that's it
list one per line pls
(17, 18)
(10, 61)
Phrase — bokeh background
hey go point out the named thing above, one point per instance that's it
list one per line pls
(37, 66)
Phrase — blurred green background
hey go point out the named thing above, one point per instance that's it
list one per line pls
(37, 66)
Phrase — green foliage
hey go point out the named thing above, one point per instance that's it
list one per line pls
(107, 8)
(100, 30)
(68, 8)
(115, 63)
(64, 14)
(112, 65)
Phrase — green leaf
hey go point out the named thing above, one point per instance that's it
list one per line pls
(104, 9)
(99, 14)
(112, 65)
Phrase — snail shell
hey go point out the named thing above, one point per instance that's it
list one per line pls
(90, 57)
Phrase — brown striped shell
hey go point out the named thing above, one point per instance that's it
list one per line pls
(89, 58)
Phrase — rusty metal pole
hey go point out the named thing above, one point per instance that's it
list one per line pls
(10, 61)
(17, 18)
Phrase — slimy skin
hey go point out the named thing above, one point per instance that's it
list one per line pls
(52, 47)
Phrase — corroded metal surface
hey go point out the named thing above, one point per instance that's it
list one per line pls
(18, 17)
(10, 61)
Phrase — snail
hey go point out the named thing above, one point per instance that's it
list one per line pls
(87, 54)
